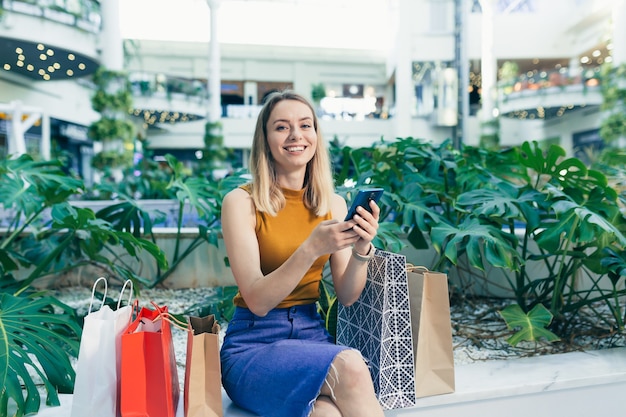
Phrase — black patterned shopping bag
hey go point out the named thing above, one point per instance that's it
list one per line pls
(401, 325)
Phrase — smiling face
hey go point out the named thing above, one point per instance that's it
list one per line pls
(291, 136)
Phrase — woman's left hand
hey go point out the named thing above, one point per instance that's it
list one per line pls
(366, 226)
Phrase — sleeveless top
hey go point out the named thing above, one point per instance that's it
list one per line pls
(279, 236)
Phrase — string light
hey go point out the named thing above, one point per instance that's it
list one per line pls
(42, 62)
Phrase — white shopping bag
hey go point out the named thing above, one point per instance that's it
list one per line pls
(96, 388)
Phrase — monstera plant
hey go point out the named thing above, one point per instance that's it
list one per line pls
(484, 210)
(45, 236)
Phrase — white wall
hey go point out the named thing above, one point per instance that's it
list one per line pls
(65, 100)
(557, 29)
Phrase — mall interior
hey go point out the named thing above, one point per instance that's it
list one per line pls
(452, 69)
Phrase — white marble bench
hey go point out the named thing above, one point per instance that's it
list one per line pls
(578, 384)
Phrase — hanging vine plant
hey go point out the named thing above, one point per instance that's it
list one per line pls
(613, 127)
(106, 159)
(121, 100)
(107, 129)
(113, 100)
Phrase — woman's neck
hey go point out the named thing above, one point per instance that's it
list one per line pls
(293, 181)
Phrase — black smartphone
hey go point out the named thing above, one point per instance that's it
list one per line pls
(363, 198)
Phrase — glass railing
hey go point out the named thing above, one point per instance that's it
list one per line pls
(83, 14)
(539, 80)
(145, 84)
(158, 85)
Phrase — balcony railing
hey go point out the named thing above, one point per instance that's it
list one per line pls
(542, 81)
(83, 14)
(158, 85)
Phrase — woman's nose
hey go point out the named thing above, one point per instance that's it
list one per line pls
(296, 134)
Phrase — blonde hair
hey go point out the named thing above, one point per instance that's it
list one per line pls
(318, 179)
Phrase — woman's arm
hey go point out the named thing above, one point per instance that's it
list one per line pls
(264, 292)
(349, 273)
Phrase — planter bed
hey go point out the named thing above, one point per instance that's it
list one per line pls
(492, 378)
(575, 384)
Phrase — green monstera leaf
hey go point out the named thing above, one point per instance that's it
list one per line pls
(484, 244)
(553, 165)
(37, 337)
(531, 325)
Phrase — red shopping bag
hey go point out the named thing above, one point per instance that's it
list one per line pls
(149, 378)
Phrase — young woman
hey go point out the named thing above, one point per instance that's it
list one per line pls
(280, 230)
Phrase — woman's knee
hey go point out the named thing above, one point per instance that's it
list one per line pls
(324, 407)
(350, 368)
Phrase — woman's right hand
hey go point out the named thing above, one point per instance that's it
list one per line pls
(331, 236)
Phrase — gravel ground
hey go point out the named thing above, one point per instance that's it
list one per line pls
(478, 332)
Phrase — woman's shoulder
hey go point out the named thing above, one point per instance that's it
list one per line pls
(337, 198)
(247, 187)
(238, 195)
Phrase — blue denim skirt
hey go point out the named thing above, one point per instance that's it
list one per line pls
(275, 366)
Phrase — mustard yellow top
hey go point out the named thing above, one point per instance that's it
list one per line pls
(279, 236)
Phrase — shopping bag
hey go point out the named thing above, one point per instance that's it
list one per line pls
(432, 331)
(96, 387)
(391, 331)
(149, 378)
(203, 376)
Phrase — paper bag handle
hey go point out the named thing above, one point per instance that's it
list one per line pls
(416, 268)
(169, 318)
(93, 292)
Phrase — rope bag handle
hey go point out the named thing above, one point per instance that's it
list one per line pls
(93, 292)
(130, 295)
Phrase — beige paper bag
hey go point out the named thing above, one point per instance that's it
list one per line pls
(203, 376)
(432, 331)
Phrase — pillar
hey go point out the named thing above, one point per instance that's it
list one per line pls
(489, 65)
(619, 49)
(17, 143)
(404, 90)
(112, 55)
(619, 33)
(215, 83)
(22, 119)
